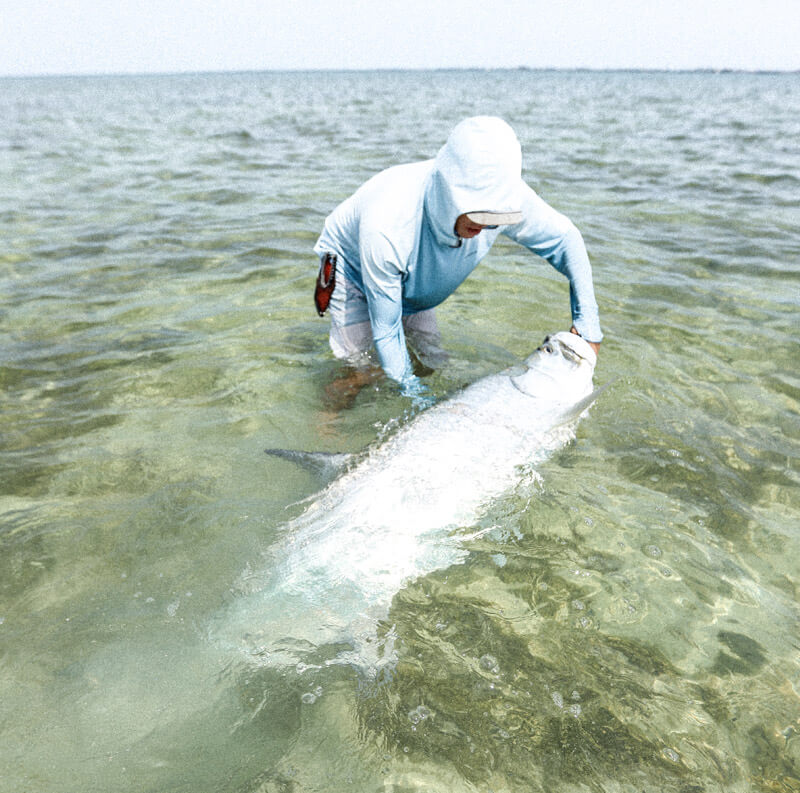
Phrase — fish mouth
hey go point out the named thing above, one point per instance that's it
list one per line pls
(554, 346)
(572, 347)
(567, 346)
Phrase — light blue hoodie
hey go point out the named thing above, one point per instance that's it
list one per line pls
(395, 236)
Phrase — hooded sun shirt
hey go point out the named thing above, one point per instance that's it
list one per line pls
(395, 236)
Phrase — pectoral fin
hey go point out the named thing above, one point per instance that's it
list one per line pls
(577, 409)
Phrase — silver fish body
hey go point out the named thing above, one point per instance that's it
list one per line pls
(393, 516)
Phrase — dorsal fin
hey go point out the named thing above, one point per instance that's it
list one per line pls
(326, 465)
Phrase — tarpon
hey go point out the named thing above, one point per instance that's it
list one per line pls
(391, 517)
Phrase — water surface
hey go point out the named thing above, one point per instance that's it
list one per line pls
(630, 621)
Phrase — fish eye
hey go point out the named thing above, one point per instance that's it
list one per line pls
(546, 345)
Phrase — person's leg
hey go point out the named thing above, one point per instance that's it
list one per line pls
(351, 334)
(350, 341)
(424, 339)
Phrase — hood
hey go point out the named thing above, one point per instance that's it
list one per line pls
(479, 169)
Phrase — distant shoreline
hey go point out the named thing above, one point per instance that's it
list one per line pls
(469, 69)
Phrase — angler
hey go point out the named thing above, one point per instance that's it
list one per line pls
(408, 237)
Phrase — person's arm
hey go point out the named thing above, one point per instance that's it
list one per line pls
(554, 237)
(595, 345)
(383, 288)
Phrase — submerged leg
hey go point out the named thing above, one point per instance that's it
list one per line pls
(341, 392)
(424, 340)
(353, 345)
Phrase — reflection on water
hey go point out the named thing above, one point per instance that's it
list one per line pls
(628, 621)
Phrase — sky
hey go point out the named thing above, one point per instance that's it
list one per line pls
(156, 36)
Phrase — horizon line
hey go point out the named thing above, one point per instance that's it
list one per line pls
(299, 70)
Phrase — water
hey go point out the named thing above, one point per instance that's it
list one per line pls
(631, 621)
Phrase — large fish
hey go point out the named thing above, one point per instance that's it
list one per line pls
(390, 517)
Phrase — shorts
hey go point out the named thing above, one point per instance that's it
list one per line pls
(351, 332)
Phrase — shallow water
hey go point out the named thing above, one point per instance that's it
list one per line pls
(630, 620)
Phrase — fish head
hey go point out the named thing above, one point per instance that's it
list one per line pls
(560, 369)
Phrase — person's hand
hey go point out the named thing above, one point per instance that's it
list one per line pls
(595, 345)
(418, 392)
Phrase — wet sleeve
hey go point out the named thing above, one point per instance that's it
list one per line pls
(383, 288)
(554, 237)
